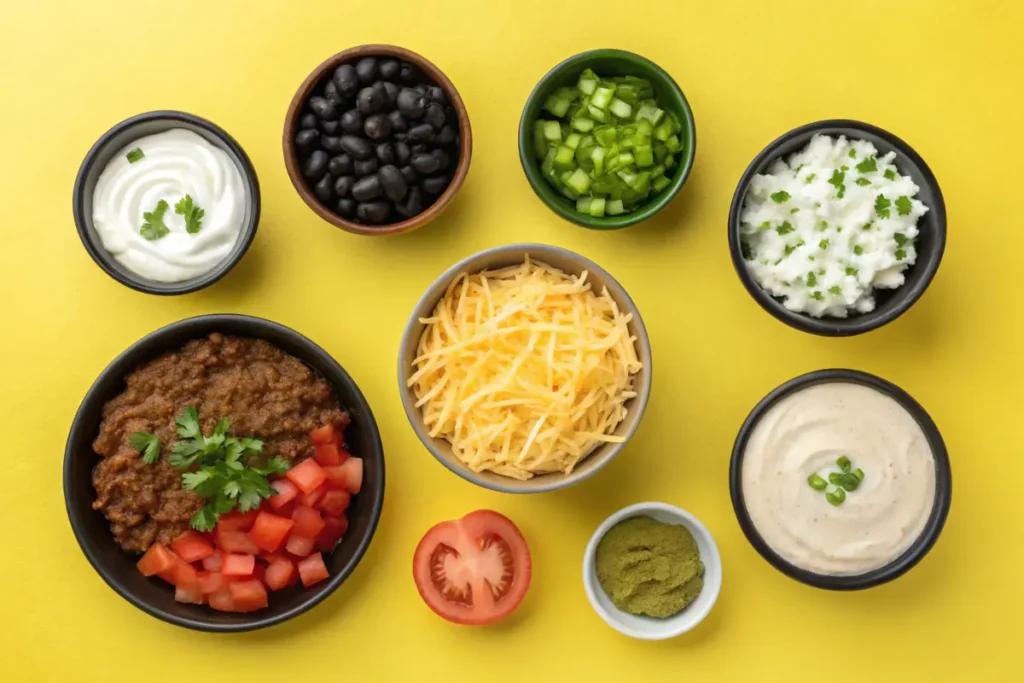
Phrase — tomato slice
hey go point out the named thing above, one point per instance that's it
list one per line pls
(191, 596)
(313, 498)
(238, 565)
(347, 477)
(236, 542)
(211, 582)
(475, 570)
(237, 521)
(192, 547)
(213, 562)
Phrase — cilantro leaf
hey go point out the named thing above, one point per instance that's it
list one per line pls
(276, 465)
(205, 519)
(148, 445)
(785, 228)
(850, 270)
(903, 205)
(253, 446)
(250, 500)
(193, 214)
(188, 423)
(232, 489)
(767, 225)
(232, 450)
(817, 296)
(193, 480)
(812, 279)
(900, 238)
(858, 250)
(889, 174)
(835, 289)
(184, 454)
(153, 228)
(862, 181)
(853, 153)
(223, 425)
(882, 205)
(837, 181)
(823, 245)
(780, 197)
(868, 165)
(900, 254)
(810, 178)
(794, 210)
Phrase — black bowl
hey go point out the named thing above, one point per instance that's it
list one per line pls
(932, 528)
(118, 567)
(889, 303)
(116, 139)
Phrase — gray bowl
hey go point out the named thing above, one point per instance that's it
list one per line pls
(116, 139)
(499, 257)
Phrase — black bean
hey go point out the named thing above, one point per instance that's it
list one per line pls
(379, 87)
(324, 189)
(306, 140)
(365, 168)
(409, 74)
(436, 94)
(393, 183)
(411, 103)
(391, 94)
(402, 152)
(315, 166)
(377, 127)
(331, 93)
(331, 144)
(340, 165)
(434, 115)
(346, 80)
(390, 69)
(307, 120)
(367, 188)
(435, 184)
(443, 160)
(373, 212)
(369, 100)
(420, 88)
(398, 122)
(357, 148)
(343, 185)
(366, 69)
(448, 135)
(423, 132)
(330, 127)
(401, 136)
(346, 208)
(420, 148)
(413, 204)
(324, 109)
(424, 163)
(352, 122)
(410, 175)
(386, 153)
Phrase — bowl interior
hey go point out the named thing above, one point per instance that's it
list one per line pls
(606, 63)
(943, 483)
(122, 135)
(889, 303)
(498, 258)
(118, 567)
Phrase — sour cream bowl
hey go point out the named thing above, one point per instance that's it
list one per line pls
(225, 180)
(862, 541)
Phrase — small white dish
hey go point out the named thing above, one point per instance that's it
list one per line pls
(648, 628)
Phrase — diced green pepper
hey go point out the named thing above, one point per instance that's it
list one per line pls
(606, 135)
(540, 143)
(558, 102)
(673, 145)
(644, 156)
(579, 181)
(597, 114)
(597, 205)
(660, 183)
(565, 158)
(650, 112)
(572, 140)
(613, 207)
(664, 130)
(604, 185)
(583, 149)
(620, 108)
(597, 156)
(602, 97)
(660, 151)
(583, 204)
(627, 92)
(626, 159)
(552, 131)
(583, 124)
(549, 161)
(588, 82)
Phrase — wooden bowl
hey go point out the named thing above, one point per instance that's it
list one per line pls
(295, 110)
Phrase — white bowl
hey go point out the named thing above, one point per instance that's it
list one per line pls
(648, 628)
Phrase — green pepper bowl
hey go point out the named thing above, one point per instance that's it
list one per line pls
(607, 63)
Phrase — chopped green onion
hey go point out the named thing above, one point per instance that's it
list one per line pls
(817, 483)
(849, 482)
(859, 473)
(836, 497)
(134, 155)
(834, 478)
(844, 463)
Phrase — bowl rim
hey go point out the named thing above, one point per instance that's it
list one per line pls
(936, 518)
(649, 209)
(835, 327)
(591, 584)
(197, 325)
(291, 161)
(430, 297)
(137, 282)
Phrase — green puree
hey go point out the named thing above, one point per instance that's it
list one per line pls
(648, 567)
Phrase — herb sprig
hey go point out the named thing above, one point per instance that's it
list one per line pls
(153, 227)
(193, 214)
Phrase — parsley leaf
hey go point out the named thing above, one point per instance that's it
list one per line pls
(192, 213)
(868, 165)
(193, 480)
(205, 519)
(889, 174)
(250, 500)
(900, 238)
(835, 289)
(153, 228)
(882, 205)
(785, 228)
(812, 279)
(862, 181)
(810, 178)
(188, 423)
(837, 181)
(148, 445)
(900, 254)
(184, 454)
(780, 196)
(903, 205)
(858, 250)
(134, 155)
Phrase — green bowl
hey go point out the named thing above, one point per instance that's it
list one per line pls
(606, 63)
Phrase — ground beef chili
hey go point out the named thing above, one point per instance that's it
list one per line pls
(263, 391)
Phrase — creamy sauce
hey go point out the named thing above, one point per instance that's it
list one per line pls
(175, 163)
(805, 433)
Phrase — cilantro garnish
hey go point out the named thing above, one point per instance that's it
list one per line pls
(882, 205)
(837, 181)
(785, 228)
(794, 210)
(903, 205)
(823, 226)
(900, 254)
(835, 289)
(862, 181)
(812, 279)
(868, 165)
(823, 245)
(850, 270)
(817, 296)
(780, 196)
(889, 174)
(148, 446)
(790, 248)
(154, 228)
(900, 238)
(134, 155)
(853, 153)
(810, 178)
(858, 250)
(192, 213)
(767, 225)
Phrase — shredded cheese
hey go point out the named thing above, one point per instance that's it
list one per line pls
(525, 370)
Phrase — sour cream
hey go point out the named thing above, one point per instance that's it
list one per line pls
(173, 164)
(804, 434)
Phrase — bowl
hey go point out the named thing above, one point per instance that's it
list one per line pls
(606, 62)
(154, 597)
(116, 139)
(498, 257)
(933, 526)
(295, 110)
(644, 627)
(889, 303)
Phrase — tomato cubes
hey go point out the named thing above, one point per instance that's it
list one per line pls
(307, 475)
(270, 531)
(312, 570)
(157, 560)
(192, 547)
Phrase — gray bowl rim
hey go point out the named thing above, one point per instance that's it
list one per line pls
(140, 284)
(142, 350)
(943, 483)
(835, 327)
(429, 298)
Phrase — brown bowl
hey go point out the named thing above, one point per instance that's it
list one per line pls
(291, 159)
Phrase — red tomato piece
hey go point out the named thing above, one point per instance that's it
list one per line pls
(335, 503)
(334, 529)
(157, 560)
(238, 565)
(287, 509)
(222, 600)
(270, 531)
(353, 472)
(286, 492)
(213, 562)
(299, 545)
(279, 573)
(191, 596)
(186, 576)
(313, 498)
(236, 542)
(192, 547)
(237, 521)
(312, 570)
(324, 434)
(475, 570)
(211, 582)
(308, 522)
(307, 475)
(249, 595)
(327, 454)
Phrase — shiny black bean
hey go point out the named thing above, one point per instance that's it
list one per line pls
(398, 122)
(331, 93)
(346, 208)
(400, 136)
(420, 88)
(410, 175)
(366, 69)
(443, 159)
(331, 144)
(424, 163)
(324, 109)
(340, 165)
(330, 127)
(391, 94)
(366, 167)
(393, 183)
(411, 103)
(307, 120)
(402, 153)
(357, 148)
(306, 140)
(409, 74)
(421, 148)
(436, 94)
(386, 153)
(324, 189)
(367, 188)
(389, 69)
(315, 166)
(448, 135)
(346, 80)
(377, 127)
(423, 132)
(435, 184)
(343, 185)
(369, 101)
(413, 204)
(352, 122)
(434, 115)
(375, 213)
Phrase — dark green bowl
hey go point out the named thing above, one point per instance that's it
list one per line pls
(607, 63)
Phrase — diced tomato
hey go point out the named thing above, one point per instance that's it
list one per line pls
(222, 600)
(211, 582)
(213, 562)
(248, 595)
(307, 475)
(347, 477)
(186, 576)
(279, 573)
(334, 529)
(189, 595)
(157, 560)
(286, 492)
(313, 498)
(299, 546)
(324, 434)
(270, 531)
(238, 565)
(327, 455)
(237, 521)
(236, 542)
(269, 558)
(312, 569)
(335, 502)
(259, 571)
(192, 547)
(308, 522)
(288, 509)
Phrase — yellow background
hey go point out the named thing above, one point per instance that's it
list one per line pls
(945, 76)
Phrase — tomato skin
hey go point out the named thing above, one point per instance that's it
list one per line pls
(307, 475)
(299, 546)
(279, 573)
(312, 570)
(158, 560)
(270, 531)
(192, 547)
(335, 503)
(286, 493)
(238, 565)
(249, 595)
(334, 530)
(323, 435)
(308, 522)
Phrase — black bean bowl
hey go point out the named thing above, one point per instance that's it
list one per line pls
(889, 303)
(116, 139)
(943, 484)
(155, 597)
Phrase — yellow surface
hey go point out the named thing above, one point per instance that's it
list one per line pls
(945, 76)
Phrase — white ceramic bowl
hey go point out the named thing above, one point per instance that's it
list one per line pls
(648, 628)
